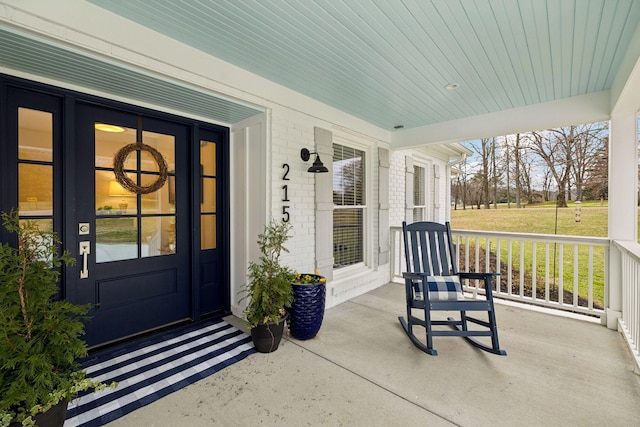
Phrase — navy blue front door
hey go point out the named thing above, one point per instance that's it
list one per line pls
(134, 249)
(144, 261)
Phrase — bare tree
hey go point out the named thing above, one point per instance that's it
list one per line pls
(572, 155)
(462, 179)
(525, 177)
(527, 163)
(507, 158)
(596, 182)
(516, 154)
(485, 142)
(483, 150)
(494, 172)
(456, 191)
(475, 190)
(516, 167)
(547, 185)
(555, 146)
(588, 142)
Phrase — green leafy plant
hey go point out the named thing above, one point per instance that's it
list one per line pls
(39, 333)
(269, 284)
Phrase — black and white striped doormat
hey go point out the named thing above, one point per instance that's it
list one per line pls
(155, 367)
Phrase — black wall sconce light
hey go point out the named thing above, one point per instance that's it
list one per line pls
(317, 166)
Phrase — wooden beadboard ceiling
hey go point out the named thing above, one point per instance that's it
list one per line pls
(388, 61)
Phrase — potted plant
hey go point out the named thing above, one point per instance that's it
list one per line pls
(307, 309)
(39, 333)
(269, 289)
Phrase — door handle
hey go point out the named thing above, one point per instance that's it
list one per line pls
(85, 249)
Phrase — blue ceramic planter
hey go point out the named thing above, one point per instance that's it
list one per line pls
(307, 310)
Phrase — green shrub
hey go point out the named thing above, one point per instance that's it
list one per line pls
(39, 333)
(269, 288)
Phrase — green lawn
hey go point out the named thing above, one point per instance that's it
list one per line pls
(545, 219)
(535, 219)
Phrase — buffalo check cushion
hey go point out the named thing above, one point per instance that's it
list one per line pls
(443, 288)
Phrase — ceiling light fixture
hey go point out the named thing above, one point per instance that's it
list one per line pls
(108, 128)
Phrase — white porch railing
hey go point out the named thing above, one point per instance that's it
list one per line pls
(567, 273)
(630, 278)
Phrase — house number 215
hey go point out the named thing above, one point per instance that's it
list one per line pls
(285, 213)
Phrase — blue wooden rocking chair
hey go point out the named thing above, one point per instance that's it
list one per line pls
(431, 266)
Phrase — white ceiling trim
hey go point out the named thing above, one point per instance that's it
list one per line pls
(579, 109)
(626, 87)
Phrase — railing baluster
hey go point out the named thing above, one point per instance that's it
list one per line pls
(546, 274)
(498, 266)
(534, 270)
(487, 254)
(466, 253)
(510, 262)
(456, 246)
(575, 275)
(590, 281)
(634, 274)
(560, 264)
(476, 285)
(522, 269)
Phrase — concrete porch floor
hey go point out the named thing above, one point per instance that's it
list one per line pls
(362, 370)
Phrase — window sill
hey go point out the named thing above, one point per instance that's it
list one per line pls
(352, 270)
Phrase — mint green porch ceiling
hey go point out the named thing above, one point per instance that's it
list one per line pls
(388, 61)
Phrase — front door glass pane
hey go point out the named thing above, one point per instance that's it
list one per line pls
(208, 195)
(34, 136)
(159, 201)
(116, 239)
(158, 235)
(208, 236)
(45, 225)
(164, 144)
(35, 189)
(108, 143)
(111, 197)
(208, 157)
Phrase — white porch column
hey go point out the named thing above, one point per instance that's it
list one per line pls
(408, 189)
(383, 206)
(248, 190)
(623, 200)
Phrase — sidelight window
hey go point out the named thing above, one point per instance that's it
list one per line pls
(35, 166)
(208, 208)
